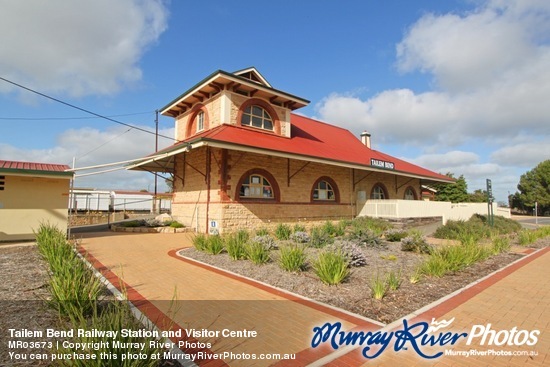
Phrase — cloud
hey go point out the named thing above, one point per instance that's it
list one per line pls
(524, 155)
(491, 74)
(80, 47)
(115, 144)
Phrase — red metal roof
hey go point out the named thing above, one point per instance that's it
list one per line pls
(310, 138)
(30, 166)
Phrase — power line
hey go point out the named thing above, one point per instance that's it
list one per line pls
(69, 118)
(82, 109)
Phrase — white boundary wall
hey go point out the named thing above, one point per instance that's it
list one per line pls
(421, 209)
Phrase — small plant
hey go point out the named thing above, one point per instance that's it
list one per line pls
(299, 228)
(378, 287)
(283, 231)
(394, 280)
(415, 276)
(176, 224)
(300, 237)
(331, 267)
(200, 241)
(133, 223)
(500, 245)
(395, 235)
(214, 245)
(262, 232)
(319, 238)
(435, 266)
(526, 237)
(416, 242)
(366, 237)
(389, 257)
(266, 241)
(235, 245)
(353, 254)
(292, 258)
(257, 252)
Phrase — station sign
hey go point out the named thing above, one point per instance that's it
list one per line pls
(382, 164)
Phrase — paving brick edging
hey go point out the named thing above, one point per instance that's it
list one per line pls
(153, 313)
(351, 356)
(319, 306)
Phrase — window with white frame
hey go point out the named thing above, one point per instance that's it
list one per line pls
(378, 192)
(256, 186)
(323, 191)
(257, 116)
(199, 120)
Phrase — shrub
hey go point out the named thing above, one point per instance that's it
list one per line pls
(133, 223)
(214, 244)
(73, 286)
(319, 238)
(416, 242)
(283, 231)
(352, 253)
(235, 244)
(292, 258)
(262, 232)
(378, 287)
(299, 228)
(266, 241)
(435, 266)
(176, 224)
(330, 229)
(454, 258)
(477, 227)
(366, 237)
(415, 276)
(377, 225)
(500, 245)
(395, 235)
(394, 280)
(331, 267)
(200, 241)
(257, 252)
(300, 237)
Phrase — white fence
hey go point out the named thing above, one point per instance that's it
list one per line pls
(421, 209)
(100, 201)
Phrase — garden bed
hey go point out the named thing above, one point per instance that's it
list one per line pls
(354, 294)
(417, 286)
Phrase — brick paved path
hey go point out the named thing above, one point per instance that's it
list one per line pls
(214, 300)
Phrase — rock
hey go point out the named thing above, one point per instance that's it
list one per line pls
(164, 217)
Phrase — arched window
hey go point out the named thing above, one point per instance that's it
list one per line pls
(325, 190)
(379, 192)
(257, 184)
(257, 116)
(410, 194)
(199, 121)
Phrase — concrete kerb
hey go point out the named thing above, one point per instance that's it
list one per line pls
(424, 310)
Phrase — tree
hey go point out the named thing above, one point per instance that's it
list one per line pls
(534, 187)
(478, 196)
(455, 193)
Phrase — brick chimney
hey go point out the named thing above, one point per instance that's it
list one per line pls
(365, 139)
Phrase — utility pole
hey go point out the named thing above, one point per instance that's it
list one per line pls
(156, 150)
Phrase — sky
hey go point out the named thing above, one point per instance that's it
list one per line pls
(459, 86)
